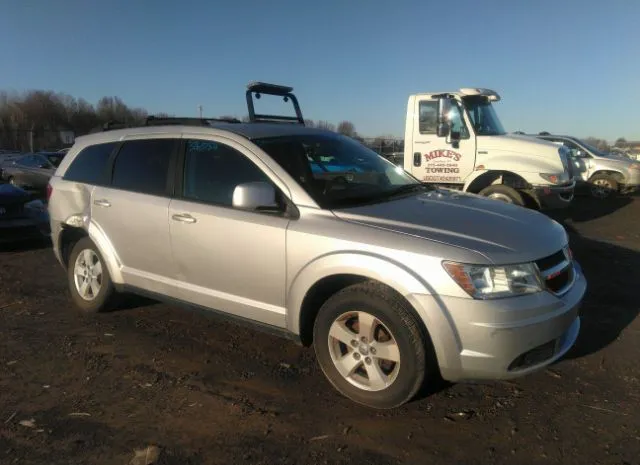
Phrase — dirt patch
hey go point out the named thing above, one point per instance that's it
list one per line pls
(206, 391)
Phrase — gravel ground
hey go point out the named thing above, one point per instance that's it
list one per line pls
(193, 389)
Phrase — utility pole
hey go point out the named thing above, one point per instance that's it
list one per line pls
(200, 110)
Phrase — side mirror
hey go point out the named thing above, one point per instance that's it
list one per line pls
(255, 196)
(444, 127)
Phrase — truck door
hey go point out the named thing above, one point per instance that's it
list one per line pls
(438, 159)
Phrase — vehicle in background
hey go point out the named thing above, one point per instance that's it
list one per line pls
(30, 171)
(54, 157)
(21, 217)
(455, 140)
(393, 282)
(605, 174)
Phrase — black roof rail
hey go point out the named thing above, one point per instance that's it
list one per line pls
(169, 120)
(256, 89)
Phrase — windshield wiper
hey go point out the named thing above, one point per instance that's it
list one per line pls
(408, 189)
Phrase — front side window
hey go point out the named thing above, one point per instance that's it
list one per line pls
(143, 166)
(428, 116)
(213, 170)
(337, 171)
(483, 117)
(89, 165)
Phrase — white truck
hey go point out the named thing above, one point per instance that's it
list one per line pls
(455, 140)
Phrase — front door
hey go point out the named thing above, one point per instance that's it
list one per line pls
(437, 159)
(227, 259)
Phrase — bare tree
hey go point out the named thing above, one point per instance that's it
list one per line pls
(600, 144)
(621, 142)
(35, 120)
(347, 128)
(309, 123)
(326, 125)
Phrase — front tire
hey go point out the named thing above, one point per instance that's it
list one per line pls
(370, 346)
(504, 194)
(88, 278)
(603, 186)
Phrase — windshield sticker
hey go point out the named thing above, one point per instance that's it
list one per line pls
(201, 146)
(442, 166)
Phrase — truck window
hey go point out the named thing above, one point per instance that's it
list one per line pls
(428, 110)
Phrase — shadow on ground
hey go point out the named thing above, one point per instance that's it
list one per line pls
(584, 208)
(611, 303)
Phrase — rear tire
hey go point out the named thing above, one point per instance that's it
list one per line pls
(370, 346)
(504, 194)
(88, 278)
(603, 186)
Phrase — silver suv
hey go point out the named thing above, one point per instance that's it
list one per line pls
(606, 174)
(311, 234)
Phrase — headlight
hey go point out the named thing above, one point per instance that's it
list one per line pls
(35, 206)
(493, 282)
(555, 178)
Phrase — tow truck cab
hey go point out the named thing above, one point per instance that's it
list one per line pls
(456, 140)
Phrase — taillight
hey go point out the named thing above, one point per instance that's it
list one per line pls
(49, 191)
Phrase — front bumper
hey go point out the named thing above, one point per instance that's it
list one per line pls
(502, 338)
(554, 197)
(24, 229)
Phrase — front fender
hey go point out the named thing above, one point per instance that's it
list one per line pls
(421, 296)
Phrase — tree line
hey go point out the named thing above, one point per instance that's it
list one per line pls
(38, 119)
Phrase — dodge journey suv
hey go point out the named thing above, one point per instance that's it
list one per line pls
(392, 281)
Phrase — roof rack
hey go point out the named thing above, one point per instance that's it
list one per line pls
(256, 89)
(166, 121)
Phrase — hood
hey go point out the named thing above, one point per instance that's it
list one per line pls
(12, 194)
(501, 232)
(514, 143)
(615, 160)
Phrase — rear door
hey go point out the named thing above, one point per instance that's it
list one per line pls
(436, 159)
(132, 210)
(227, 259)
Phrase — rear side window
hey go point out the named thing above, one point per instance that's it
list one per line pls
(89, 165)
(143, 166)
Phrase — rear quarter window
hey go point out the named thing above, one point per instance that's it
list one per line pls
(90, 164)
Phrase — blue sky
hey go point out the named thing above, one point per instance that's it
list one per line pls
(562, 66)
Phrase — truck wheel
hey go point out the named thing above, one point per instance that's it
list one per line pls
(503, 193)
(370, 346)
(603, 186)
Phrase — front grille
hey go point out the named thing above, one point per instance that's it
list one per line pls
(557, 271)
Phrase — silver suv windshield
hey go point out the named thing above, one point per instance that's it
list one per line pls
(594, 150)
(337, 171)
(483, 117)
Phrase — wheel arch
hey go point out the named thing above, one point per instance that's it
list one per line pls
(485, 178)
(616, 175)
(74, 229)
(325, 276)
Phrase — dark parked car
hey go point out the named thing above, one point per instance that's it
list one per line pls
(31, 171)
(21, 218)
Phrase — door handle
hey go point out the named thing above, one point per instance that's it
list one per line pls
(102, 203)
(183, 218)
